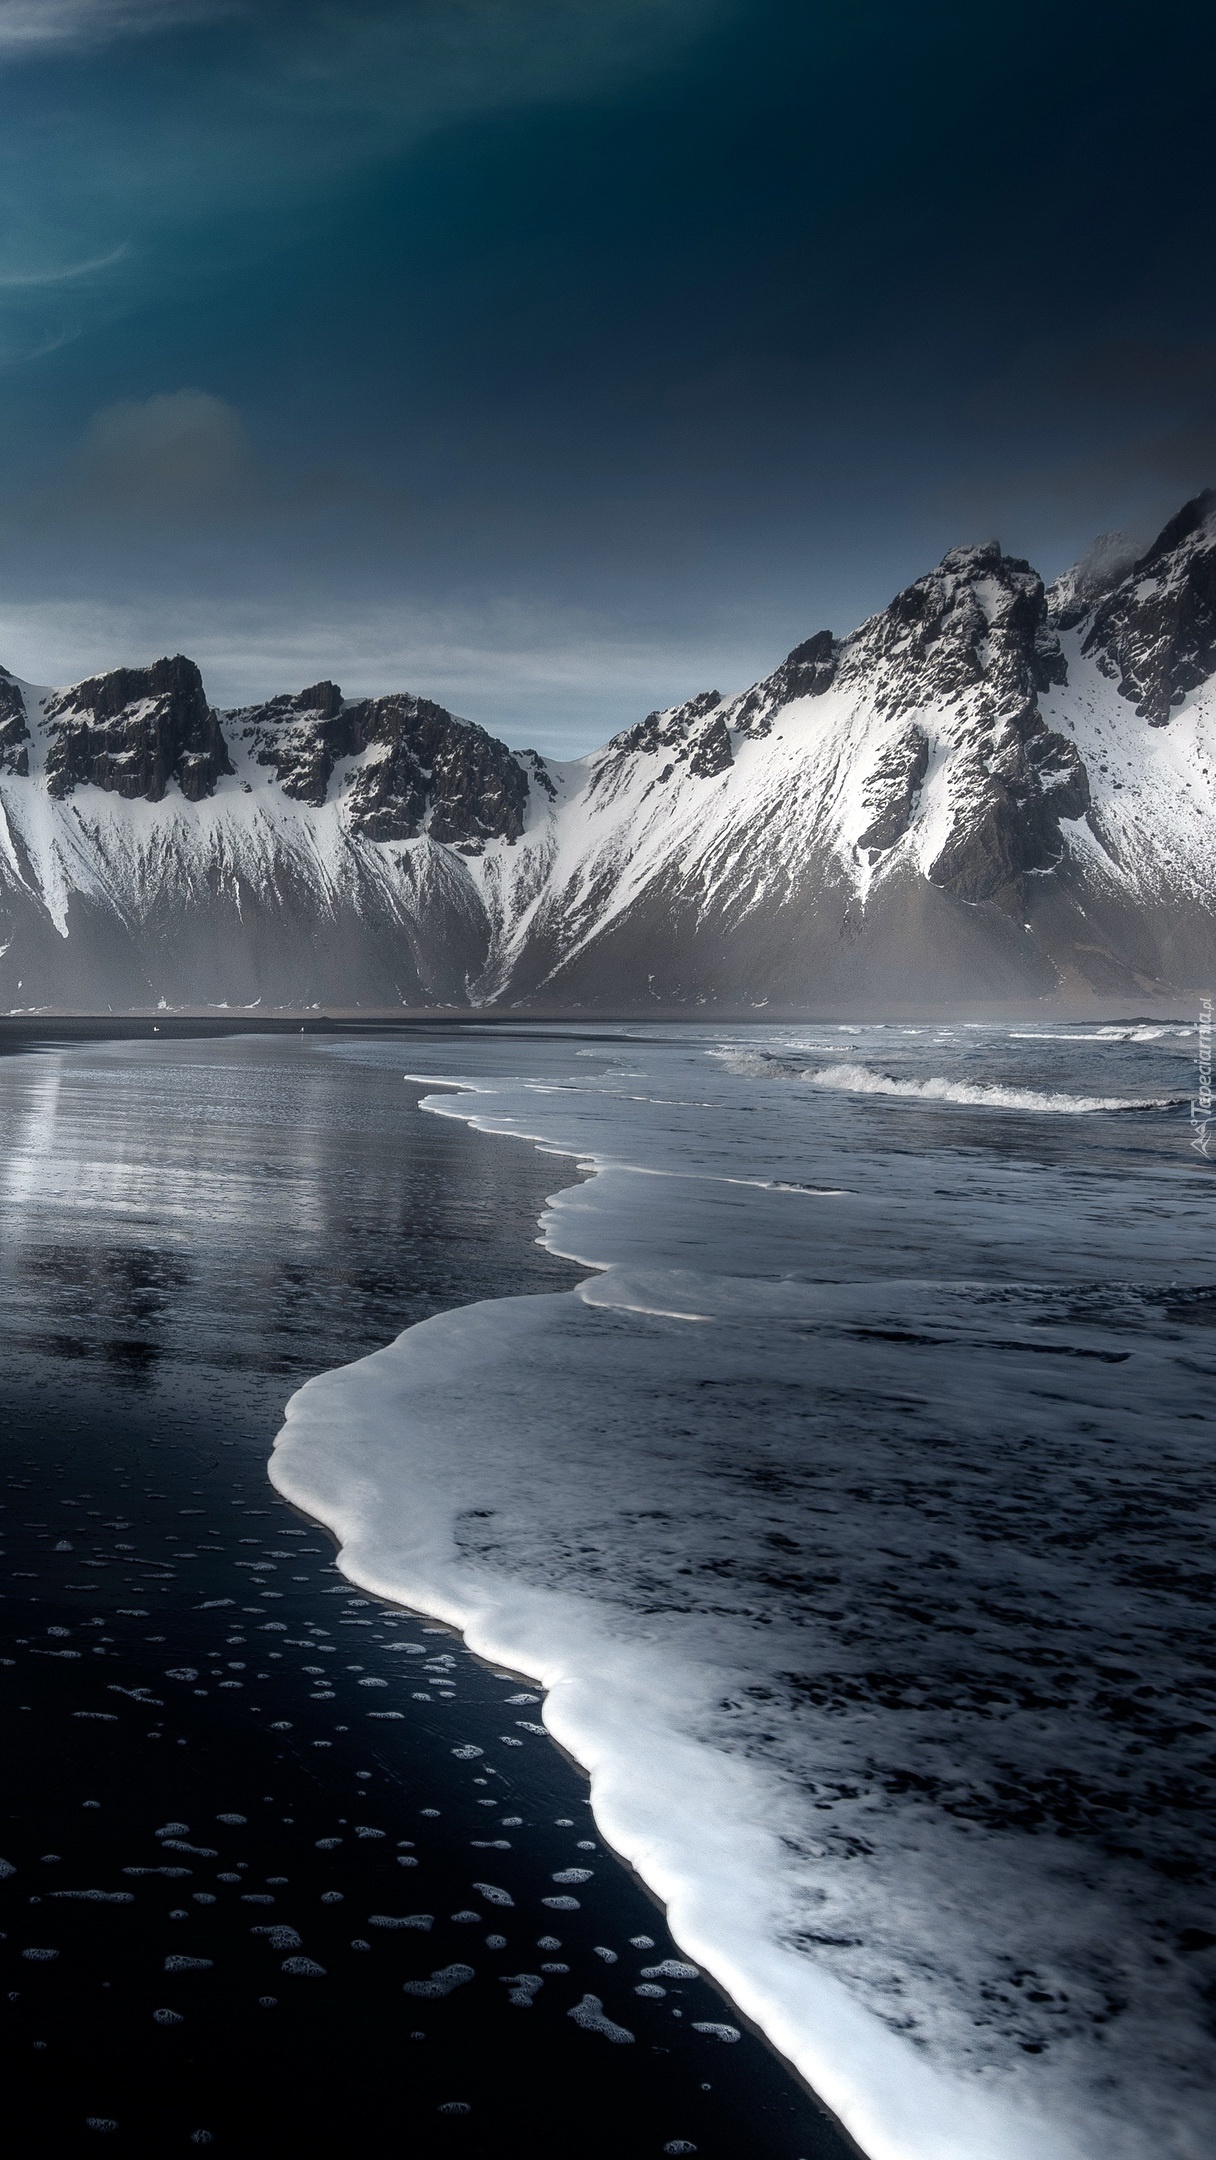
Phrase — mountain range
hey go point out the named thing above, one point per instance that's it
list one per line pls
(992, 791)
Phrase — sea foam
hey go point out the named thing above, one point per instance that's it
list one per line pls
(805, 1509)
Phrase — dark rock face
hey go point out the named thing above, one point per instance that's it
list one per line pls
(1156, 633)
(806, 672)
(14, 727)
(428, 771)
(694, 734)
(301, 736)
(671, 728)
(133, 731)
(711, 753)
(974, 629)
(472, 786)
(539, 771)
(892, 789)
(973, 638)
(1009, 811)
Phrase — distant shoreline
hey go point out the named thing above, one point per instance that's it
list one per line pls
(20, 1028)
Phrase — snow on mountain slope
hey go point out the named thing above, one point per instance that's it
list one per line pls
(985, 791)
(928, 808)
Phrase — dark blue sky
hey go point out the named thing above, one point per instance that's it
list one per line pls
(558, 358)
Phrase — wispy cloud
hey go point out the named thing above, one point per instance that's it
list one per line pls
(30, 27)
(23, 280)
(207, 152)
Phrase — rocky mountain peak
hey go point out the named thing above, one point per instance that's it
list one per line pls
(1155, 633)
(692, 734)
(133, 731)
(964, 653)
(1077, 591)
(421, 768)
(14, 726)
(807, 671)
(302, 734)
(1197, 518)
(973, 632)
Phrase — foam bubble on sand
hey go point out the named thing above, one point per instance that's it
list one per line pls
(589, 2013)
(493, 1895)
(99, 1897)
(442, 1982)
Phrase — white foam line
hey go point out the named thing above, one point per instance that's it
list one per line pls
(387, 1452)
(710, 1864)
(982, 1095)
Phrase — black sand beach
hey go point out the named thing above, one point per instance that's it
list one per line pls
(262, 1888)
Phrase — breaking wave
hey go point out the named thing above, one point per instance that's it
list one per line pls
(854, 1079)
(989, 1095)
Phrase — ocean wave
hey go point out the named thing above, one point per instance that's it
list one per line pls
(750, 1064)
(1141, 1033)
(988, 1095)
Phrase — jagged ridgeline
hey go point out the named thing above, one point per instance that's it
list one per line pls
(989, 791)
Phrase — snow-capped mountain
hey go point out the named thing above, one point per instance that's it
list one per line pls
(989, 791)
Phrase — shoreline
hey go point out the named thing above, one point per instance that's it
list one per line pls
(63, 1025)
(895, 2129)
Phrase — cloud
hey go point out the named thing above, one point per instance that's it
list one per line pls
(560, 680)
(213, 144)
(32, 27)
(176, 455)
(23, 280)
(23, 342)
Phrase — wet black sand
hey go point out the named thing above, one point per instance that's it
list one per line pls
(210, 1736)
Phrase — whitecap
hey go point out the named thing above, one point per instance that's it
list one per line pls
(979, 1094)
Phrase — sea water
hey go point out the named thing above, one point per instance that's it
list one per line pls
(853, 1515)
